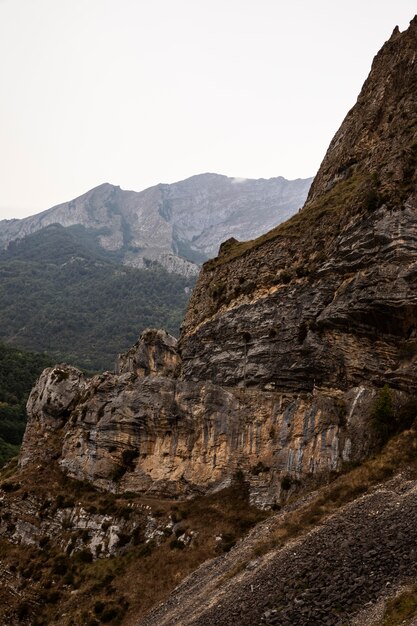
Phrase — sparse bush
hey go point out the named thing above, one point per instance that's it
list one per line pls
(227, 542)
(99, 607)
(124, 539)
(84, 556)
(383, 416)
(285, 277)
(259, 468)
(60, 566)
(147, 549)
(9, 487)
(108, 615)
(23, 610)
(63, 502)
(176, 544)
(286, 483)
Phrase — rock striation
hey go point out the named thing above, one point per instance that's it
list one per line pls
(146, 430)
(329, 297)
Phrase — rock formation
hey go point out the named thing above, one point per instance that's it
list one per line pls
(286, 345)
(287, 338)
(329, 297)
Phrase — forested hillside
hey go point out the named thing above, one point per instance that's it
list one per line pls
(62, 294)
(18, 373)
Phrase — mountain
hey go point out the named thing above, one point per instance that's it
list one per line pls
(287, 408)
(141, 250)
(179, 225)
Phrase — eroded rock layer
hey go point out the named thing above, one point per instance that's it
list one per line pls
(329, 297)
(163, 436)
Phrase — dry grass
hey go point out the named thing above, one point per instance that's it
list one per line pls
(330, 207)
(401, 608)
(69, 590)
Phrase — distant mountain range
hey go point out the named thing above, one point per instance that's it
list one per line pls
(178, 226)
(80, 281)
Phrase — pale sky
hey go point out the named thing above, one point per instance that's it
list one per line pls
(137, 92)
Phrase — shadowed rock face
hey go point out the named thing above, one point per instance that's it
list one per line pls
(329, 298)
(286, 340)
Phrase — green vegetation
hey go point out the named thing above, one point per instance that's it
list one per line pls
(18, 373)
(63, 295)
(383, 413)
(390, 418)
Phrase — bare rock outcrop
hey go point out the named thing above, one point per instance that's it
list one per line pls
(155, 353)
(49, 406)
(153, 434)
(287, 338)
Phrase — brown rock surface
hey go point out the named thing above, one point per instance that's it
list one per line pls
(163, 436)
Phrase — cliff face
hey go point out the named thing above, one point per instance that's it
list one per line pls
(287, 337)
(146, 430)
(329, 297)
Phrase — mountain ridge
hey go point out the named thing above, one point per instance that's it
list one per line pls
(178, 225)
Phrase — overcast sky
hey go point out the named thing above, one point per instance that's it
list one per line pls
(136, 92)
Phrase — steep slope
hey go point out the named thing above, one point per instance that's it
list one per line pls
(329, 297)
(178, 225)
(338, 573)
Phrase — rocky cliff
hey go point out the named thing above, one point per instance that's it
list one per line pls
(297, 352)
(329, 297)
(179, 225)
(286, 340)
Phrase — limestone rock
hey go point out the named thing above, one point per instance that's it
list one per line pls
(50, 403)
(287, 338)
(155, 353)
(163, 436)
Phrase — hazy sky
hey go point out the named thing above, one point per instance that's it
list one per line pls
(136, 92)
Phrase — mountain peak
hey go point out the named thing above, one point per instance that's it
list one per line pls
(177, 226)
(380, 128)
